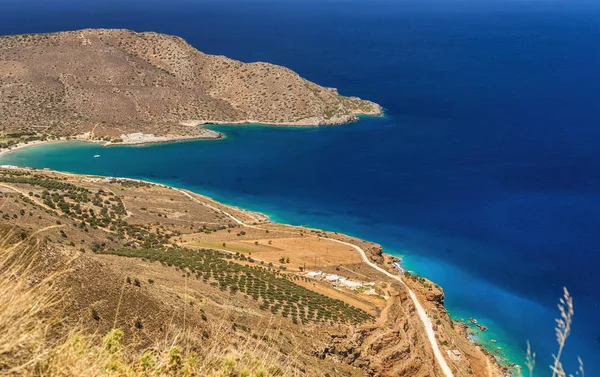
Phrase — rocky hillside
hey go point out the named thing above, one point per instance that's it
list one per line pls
(118, 81)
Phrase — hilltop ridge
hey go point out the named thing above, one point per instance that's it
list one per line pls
(113, 82)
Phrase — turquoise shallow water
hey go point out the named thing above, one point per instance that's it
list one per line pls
(485, 173)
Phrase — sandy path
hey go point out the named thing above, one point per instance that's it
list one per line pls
(420, 310)
(25, 194)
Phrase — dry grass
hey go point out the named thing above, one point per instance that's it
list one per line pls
(563, 330)
(310, 252)
(23, 305)
(34, 341)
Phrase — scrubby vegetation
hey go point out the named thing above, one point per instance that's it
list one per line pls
(11, 139)
(73, 83)
(50, 183)
(131, 183)
(98, 209)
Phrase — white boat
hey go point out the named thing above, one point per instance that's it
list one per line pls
(96, 155)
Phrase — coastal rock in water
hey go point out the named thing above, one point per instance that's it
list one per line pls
(376, 253)
(436, 296)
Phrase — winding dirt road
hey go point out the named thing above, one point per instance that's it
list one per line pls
(420, 310)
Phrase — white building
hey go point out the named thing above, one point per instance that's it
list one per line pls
(313, 274)
(454, 354)
(350, 284)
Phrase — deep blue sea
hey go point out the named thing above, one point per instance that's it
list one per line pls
(484, 174)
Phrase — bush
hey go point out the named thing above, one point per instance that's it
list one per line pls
(95, 315)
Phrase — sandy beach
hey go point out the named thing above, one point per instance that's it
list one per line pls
(5, 151)
(128, 139)
(140, 138)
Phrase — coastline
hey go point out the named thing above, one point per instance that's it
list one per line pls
(6, 151)
(305, 122)
(151, 140)
(506, 366)
(140, 138)
(256, 218)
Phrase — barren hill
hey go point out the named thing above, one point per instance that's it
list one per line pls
(118, 82)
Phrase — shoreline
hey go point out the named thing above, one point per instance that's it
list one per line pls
(504, 365)
(9, 150)
(305, 122)
(140, 138)
(144, 139)
(148, 141)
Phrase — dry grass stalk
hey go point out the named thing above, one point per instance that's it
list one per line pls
(563, 330)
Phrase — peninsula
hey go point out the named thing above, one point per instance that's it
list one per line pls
(122, 86)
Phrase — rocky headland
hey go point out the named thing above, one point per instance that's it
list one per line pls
(110, 83)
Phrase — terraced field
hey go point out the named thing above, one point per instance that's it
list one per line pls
(275, 291)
